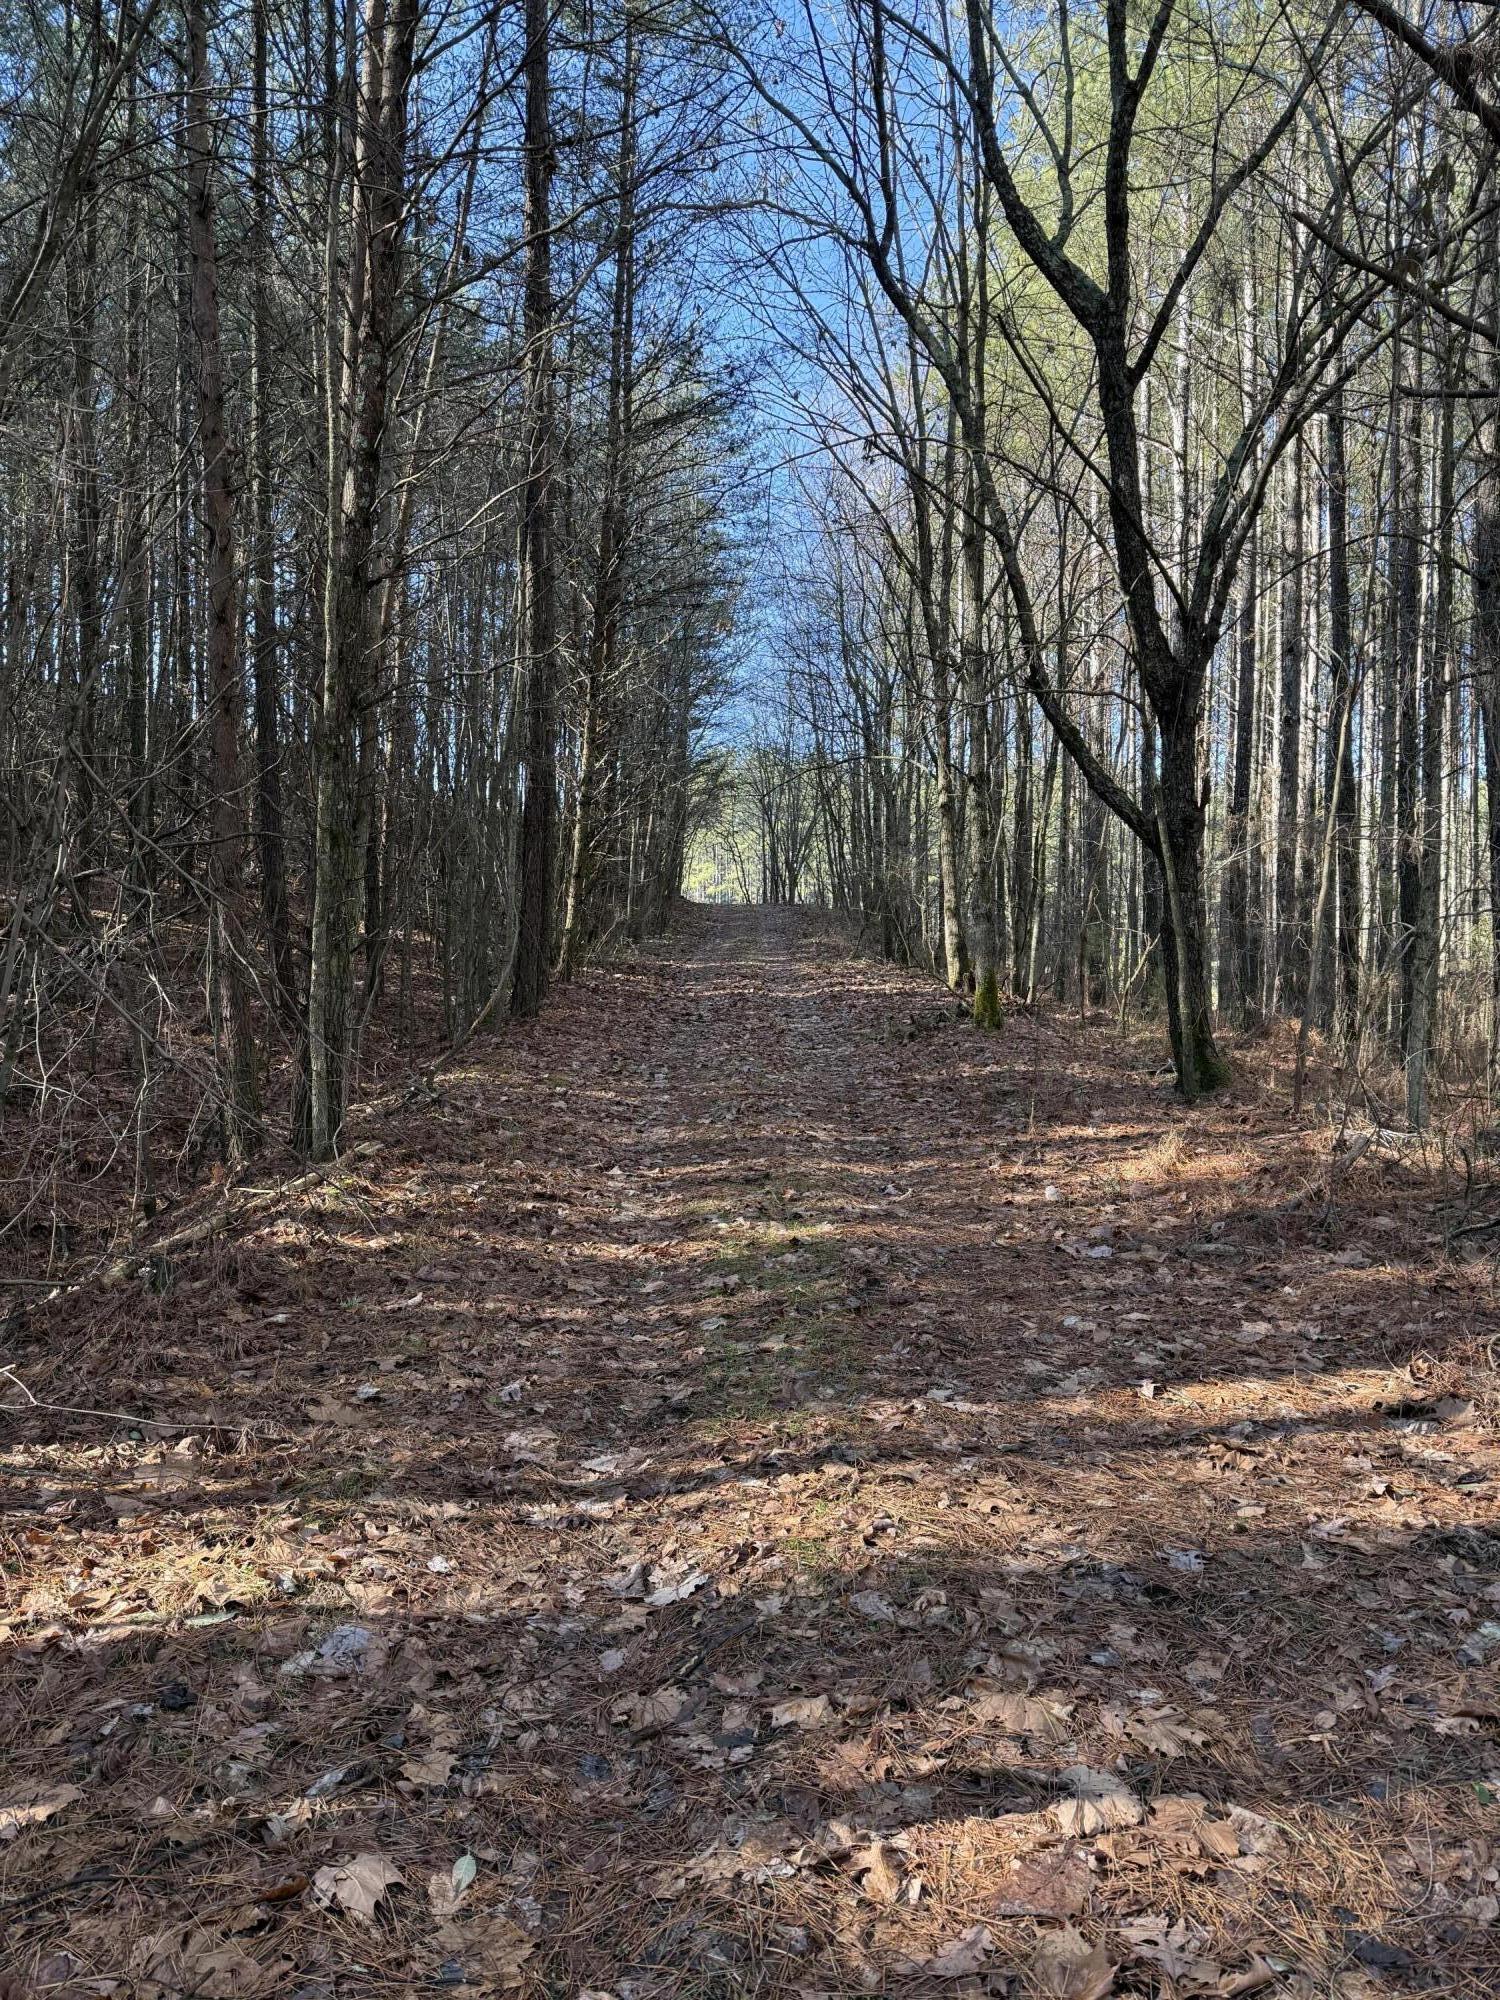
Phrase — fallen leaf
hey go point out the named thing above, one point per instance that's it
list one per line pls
(870, 1604)
(657, 1710)
(1067, 1967)
(447, 1887)
(1250, 1979)
(186, 1959)
(1166, 1731)
(675, 1589)
(1025, 1714)
(1175, 1949)
(490, 1945)
(434, 1768)
(347, 1650)
(800, 1711)
(961, 1956)
(880, 1870)
(33, 1804)
(1047, 1884)
(358, 1885)
(1099, 1803)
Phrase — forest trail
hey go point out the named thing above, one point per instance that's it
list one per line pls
(760, 1490)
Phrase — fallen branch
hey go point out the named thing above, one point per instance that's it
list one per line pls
(131, 1417)
(1474, 1228)
(426, 1077)
(207, 1227)
(210, 1226)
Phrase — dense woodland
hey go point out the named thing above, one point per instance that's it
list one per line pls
(367, 554)
(1026, 477)
(1145, 649)
(935, 1432)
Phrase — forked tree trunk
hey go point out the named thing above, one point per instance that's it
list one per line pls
(1184, 931)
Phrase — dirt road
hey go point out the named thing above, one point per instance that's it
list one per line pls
(762, 1490)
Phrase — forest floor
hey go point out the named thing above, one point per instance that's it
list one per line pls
(758, 1489)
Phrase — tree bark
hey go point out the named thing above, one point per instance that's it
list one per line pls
(1340, 781)
(350, 624)
(270, 815)
(614, 517)
(538, 607)
(230, 965)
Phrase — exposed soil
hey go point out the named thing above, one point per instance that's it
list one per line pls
(759, 1489)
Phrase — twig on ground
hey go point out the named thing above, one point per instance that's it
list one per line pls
(102, 1277)
(131, 1417)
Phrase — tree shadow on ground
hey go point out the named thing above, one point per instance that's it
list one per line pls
(761, 1464)
(690, 1814)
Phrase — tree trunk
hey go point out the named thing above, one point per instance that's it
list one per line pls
(978, 820)
(1426, 937)
(949, 891)
(1406, 582)
(1184, 933)
(1486, 630)
(230, 971)
(538, 607)
(350, 598)
(270, 828)
(1291, 933)
(614, 519)
(1340, 780)
(84, 598)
